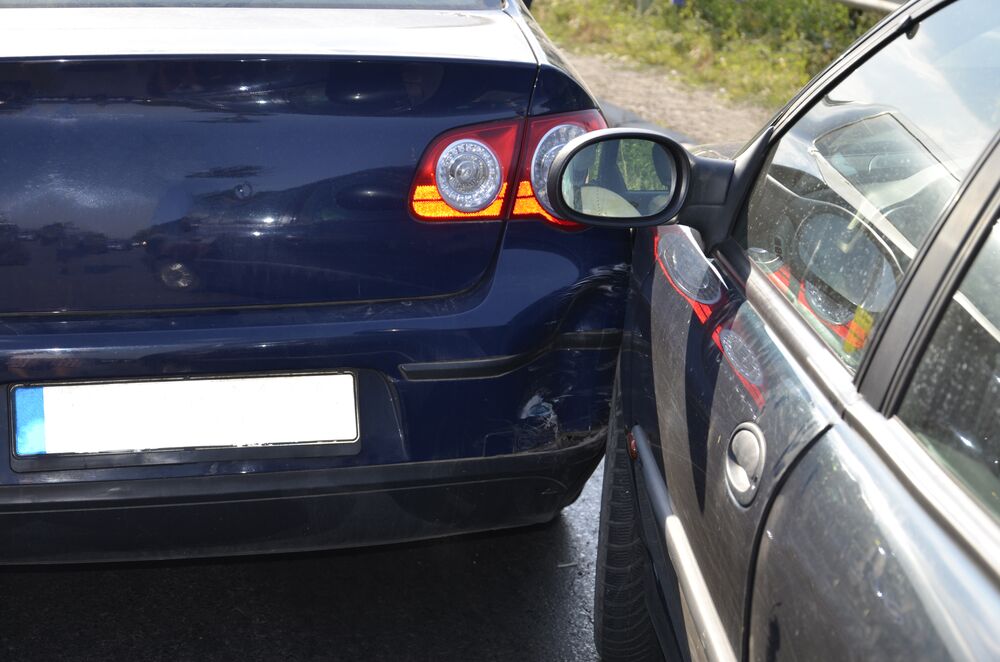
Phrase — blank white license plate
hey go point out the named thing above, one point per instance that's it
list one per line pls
(184, 414)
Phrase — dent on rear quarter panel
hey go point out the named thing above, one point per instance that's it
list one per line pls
(547, 284)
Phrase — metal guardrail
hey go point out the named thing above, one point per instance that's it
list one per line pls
(873, 5)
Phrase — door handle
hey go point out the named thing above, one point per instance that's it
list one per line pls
(745, 462)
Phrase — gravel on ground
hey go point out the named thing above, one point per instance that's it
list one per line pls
(659, 97)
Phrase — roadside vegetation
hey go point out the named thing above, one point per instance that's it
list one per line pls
(757, 51)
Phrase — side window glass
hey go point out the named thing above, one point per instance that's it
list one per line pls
(953, 402)
(851, 191)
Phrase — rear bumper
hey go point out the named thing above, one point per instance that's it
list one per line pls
(473, 411)
(288, 511)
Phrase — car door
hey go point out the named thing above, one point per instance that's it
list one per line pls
(746, 347)
(882, 541)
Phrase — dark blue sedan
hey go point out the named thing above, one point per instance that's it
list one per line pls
(285, 276)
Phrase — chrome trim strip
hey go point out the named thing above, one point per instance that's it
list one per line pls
(704, 615)
(939, 491)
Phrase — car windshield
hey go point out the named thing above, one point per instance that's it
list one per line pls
(322, 4)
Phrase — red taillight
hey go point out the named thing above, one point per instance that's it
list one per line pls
(527, 204)
(426, 201)
(503, 139)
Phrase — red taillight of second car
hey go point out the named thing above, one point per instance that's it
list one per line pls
(515, 197)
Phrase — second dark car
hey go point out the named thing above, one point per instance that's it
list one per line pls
(804, 456)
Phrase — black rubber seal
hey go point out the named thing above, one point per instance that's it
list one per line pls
(498, 366)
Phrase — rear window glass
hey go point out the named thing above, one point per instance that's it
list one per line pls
(328, 4)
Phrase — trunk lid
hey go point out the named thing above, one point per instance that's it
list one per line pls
(188, 181)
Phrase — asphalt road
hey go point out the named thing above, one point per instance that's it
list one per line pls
(525, 594)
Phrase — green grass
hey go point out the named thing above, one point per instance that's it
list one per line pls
(758, 51)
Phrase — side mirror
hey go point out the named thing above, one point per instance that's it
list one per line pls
(622, 178)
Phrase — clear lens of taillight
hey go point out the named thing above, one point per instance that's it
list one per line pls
(468, 175)
(545, 136)
(471, 173)
(541, 162)
(465, 173)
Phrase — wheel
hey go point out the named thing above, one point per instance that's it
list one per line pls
(623, 629)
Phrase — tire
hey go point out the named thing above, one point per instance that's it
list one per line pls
(623, 629)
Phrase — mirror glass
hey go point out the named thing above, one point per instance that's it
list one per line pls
(620, 178)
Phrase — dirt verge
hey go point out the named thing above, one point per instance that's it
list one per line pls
(658, 97)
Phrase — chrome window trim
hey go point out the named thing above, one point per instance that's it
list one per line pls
(939, 491)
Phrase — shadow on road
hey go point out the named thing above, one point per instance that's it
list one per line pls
(517, 595)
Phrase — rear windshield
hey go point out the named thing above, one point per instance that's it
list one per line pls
(340, 4)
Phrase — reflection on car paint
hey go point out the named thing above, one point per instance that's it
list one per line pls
(715, 367)
(849, 195)
(275, 181)
(689, 272)
(902, 572)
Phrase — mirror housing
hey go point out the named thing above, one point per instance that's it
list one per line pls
(596, 164)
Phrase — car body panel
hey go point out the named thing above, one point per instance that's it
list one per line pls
(882, 556)
(265, 182)
(853, 547)
(436, 456)
(559, 87)
(288, 510)
(547, 285)
(715, 365)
